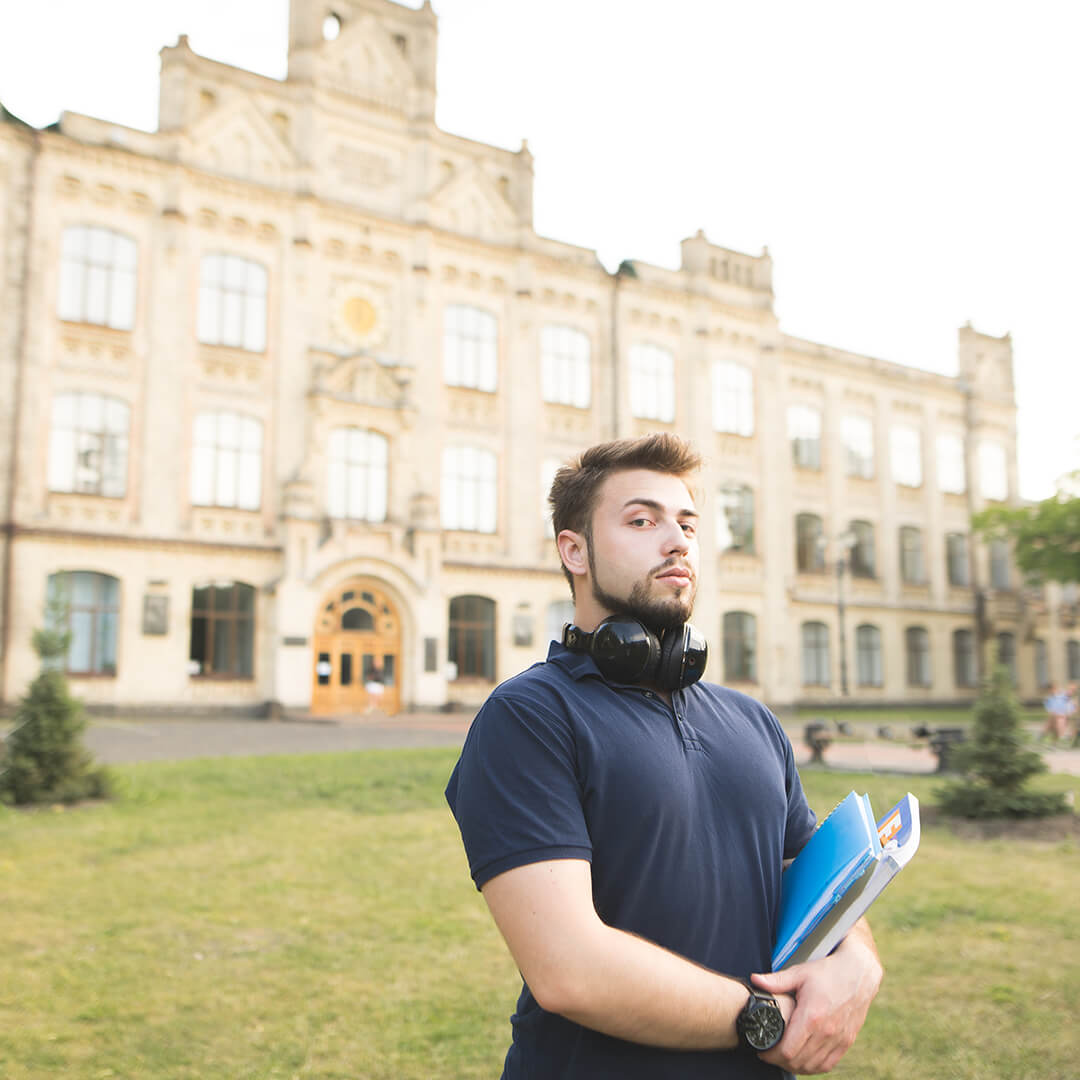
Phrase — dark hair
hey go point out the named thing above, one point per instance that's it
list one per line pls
(575, 488)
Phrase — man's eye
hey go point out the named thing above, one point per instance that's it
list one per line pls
(641, 521)
(689, 528)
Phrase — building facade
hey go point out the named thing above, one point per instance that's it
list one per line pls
(284, 384)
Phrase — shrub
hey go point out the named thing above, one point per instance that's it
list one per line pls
(44, 760)
(997, 763)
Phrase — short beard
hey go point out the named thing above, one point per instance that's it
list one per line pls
(657, 615)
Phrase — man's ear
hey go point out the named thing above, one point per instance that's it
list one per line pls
(573, 552)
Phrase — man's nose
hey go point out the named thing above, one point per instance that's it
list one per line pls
(675, 540)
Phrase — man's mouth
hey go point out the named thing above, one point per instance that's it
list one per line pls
(677, 575)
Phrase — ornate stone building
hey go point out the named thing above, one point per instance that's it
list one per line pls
(283, 384)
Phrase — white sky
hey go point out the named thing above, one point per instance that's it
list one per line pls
(910, 167)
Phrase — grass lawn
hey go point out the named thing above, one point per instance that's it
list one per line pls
(312, 916)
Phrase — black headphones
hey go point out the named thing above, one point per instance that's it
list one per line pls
(627, 651)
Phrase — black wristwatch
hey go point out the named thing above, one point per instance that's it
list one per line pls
(761, 1023)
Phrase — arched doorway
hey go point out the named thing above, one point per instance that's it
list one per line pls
(357, 636)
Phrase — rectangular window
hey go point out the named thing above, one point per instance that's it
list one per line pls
(470, 348)
(956, 558)
(565, 366)
(223, 630)
(993, 472)
(952, 476)
(815, 654)
(917, 641)
(809, 544)
(652, 383)
(964, 658)
(912, 568)
(88, 445)
(858, 436)
(232, 303)
(472, 637)
(357, 474)
(97, 277)
(868, 669)
(1000, 577)
(733, 398)
(226, 458)
(804, 433)
(735, 519)
(468, 499)
(905, 446)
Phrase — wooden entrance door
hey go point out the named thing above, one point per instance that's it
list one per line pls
(357, 639)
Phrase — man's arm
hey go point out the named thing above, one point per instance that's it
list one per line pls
(603, 978)
(833, 995)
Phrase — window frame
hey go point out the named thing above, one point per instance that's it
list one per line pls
(110, 444)
(917, 657)
(733, 398)
(905, 455)
(652, 382)
(470, 348)
(958, 542)
(735, 506)
(740, 647)
(813, 546)
(233, 302)
(61, 589)
(964, 657)
(912, 556)
(565, 366)
(367, 470)
(222, 464)
(804, 428)
(951, 463)
(859, 460)
(862, 558)
(815, 654)
(465, 627)
(469, 497)
(87, 272)
(868, 656)
(230, 620)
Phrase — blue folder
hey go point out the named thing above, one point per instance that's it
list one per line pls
(835, 858)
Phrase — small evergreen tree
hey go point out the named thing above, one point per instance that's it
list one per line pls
(43, 759)
(996, 763)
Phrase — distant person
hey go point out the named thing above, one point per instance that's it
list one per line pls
(1057, 705)
(375, 686)
(1073, 712)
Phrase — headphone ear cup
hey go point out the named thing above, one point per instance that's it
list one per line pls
(624, 650)
(669, 672)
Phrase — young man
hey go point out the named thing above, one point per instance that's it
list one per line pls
(628, 834)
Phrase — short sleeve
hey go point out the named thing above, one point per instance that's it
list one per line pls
(801, 820)
(515, 791)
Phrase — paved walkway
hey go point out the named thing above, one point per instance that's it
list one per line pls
(115, 741)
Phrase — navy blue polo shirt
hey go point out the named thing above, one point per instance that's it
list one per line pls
(686, 813)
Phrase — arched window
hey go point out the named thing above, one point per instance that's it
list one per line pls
(97, 277)
(815, 654)
(740, 647)
(917, 648)
(470, 347)
(863, 559)
(858, 436)
(912, 567)
(357, 618)
(87, 606)
(868, 656)
(232, 302)
(468, 501)
(357, 480)
(1006, 653)
(956, 559)
(472, 637)
(1072, 660)
(964, 669)
(566, 372)
(1042, 665)
(652, 383)
(999, 564)
(88, 444)
(735, 519)
(223, 630)
(809, 544)
(226, 460)
(804, 434)
(733, 398)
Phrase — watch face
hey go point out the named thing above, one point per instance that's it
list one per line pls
(763, 1025)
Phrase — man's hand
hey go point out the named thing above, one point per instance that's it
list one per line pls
(832, 996)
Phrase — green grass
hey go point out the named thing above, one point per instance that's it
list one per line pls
(312, 916)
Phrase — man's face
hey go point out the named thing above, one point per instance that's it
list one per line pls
(643, 548)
